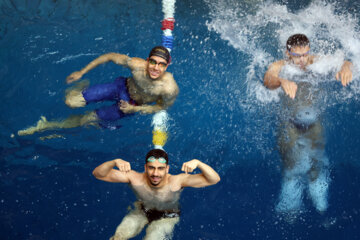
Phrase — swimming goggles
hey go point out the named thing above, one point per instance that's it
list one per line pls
(160, 159)
(154, 63)
(299, 55)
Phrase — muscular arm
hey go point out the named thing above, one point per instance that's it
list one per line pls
(273, 81)
(106, 171)
(114, 57)
(207, 177)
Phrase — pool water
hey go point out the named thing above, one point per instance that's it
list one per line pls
(222, 116)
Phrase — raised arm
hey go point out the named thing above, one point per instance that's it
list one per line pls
(114, 57)
(106, 171)
(273, 81)
(345, 73)
(207, 177)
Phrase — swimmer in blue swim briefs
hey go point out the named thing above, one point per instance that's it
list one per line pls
(150, 83)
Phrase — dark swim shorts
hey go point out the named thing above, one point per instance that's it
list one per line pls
(153, 214)
(114, 91)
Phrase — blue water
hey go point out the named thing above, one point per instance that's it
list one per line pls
(47, 190)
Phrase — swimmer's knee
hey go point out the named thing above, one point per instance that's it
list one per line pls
(161, 229)
(89, 119)
(75, 99)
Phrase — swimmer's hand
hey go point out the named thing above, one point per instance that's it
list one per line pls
(122, 165)
(289, 87)
(190, 166)
(126, 107)
(345, 74)
(74, 77)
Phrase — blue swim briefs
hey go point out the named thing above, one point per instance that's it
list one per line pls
(114, 91)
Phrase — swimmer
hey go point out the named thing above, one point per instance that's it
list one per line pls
(157, 191)
(150, 83)
(298, 53)
(301, 140)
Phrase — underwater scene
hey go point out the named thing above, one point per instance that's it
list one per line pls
(289, 167)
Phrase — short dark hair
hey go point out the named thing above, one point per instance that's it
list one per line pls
(162, 52)
(297, 40)
(157, 153)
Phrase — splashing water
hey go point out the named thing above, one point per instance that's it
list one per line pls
(262, 34)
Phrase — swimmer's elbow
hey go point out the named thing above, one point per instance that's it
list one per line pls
(214, 180)
(97, 174)
(217, 179)
(271, 82)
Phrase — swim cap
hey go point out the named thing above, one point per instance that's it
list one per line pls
(162, 52)
(157, 153)
(297, 40)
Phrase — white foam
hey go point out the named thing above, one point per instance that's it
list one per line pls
(291, 195)
(160, 121)
(318, 191)
(248, 25)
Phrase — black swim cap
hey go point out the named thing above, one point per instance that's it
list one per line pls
(297, 40)
(157, 153)
(162, 52)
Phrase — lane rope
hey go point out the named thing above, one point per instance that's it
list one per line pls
(160, 119)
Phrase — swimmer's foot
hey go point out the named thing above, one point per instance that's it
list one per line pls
(41, 125)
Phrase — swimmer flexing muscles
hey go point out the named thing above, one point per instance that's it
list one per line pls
(301, 141)
(157, 191)
(150, 83)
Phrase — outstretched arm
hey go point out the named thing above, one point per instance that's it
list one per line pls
(207, 177)
(114, 57)
(106, 171)
(345, 73)
(273, 81)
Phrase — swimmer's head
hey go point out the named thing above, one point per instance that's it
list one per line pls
(298, 49)
(157, 62)
(162, 52)
(156, 166)
(157, 153)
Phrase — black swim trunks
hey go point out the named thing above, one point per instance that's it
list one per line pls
(153, 214)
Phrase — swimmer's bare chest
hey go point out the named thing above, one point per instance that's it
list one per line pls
(143, 91)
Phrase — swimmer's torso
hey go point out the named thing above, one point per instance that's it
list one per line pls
(307, 92)
(143, 90)
(159, 199)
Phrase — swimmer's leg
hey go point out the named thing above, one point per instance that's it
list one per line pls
(81, 95)
(161, 229)
(290, 199)
(319, 184)
(73, 121)
(74, 97)
(131, 225)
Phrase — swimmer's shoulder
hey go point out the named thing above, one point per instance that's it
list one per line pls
(313, 58)
(278, 64)
(275, 68)
(175, 181)
(171, 87)
(135, 178)
(136, 63)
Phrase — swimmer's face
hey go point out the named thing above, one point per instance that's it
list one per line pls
(156, 67)
(299, 55)
(156, 172)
